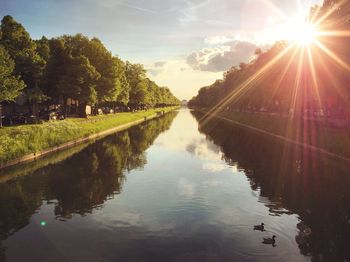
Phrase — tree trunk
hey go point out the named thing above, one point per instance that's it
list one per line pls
(0, 116)
(82, 110)
(30, 107)
(65, 106)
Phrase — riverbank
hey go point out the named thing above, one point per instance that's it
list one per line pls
(318, 136)
(23, 143)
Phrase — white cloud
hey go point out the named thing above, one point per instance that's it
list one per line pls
(221, 58)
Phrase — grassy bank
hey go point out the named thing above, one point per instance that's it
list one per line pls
(310, 132)
(18, 141)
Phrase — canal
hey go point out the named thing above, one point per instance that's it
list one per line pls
(171, 190)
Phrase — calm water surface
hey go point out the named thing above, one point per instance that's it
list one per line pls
(168, 190)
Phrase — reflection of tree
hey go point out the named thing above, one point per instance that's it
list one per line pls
(80, 183)
(294, 181)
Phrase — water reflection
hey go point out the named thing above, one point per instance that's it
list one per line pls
(79, 184)
(190, 196)
(293, 181)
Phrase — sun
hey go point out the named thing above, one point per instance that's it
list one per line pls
(297, 30)
(302, 32)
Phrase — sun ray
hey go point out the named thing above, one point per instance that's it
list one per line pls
(329, 12)
(278, 11)
(339, 33)
(314, 77)
(297, 80)
(242, 88)
(285, 71)
(331, 78)
(316, 13)
(331, 54)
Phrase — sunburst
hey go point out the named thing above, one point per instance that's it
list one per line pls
(307, 35)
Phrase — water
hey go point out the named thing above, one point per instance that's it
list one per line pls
(168, 190)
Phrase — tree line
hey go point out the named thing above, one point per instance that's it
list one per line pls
(287, 79)
(71, 66)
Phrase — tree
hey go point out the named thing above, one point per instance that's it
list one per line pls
(29, 64)
(124, 95)
(136, 76)
(138, 94)
(110, 68)
(78, 82)
(10, 85)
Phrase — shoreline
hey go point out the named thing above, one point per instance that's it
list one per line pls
(275, 135)
(95, 136)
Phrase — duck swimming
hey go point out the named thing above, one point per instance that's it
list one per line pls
(269, 240)
(260, 227)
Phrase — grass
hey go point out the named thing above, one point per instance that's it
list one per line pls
(322, 135)
(18, 141)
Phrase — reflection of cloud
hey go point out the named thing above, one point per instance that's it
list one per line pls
(128, 218)
(189, 139)
(191, 148)
(186, 188)
(221, 58)
(204, 149)
(214, 167)
(212, 183)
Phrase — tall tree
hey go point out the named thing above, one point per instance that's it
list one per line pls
(124, 94)
(108, 85)
(79, 82)
(22, 49)
(10, 85)
(136, 76)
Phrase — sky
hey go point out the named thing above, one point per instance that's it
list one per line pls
(184, 44)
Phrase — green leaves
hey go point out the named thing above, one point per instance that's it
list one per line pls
(10, 86)
(72, 67)
(29, 64)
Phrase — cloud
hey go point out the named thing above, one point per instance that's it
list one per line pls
(217, 40)
(154, 72)
(189, 14)
(159, 64)
(220, 59)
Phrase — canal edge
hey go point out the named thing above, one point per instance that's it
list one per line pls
(282, 138)
(34, 156)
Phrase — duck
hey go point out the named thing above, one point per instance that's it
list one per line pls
(260, 227)
(269, 240)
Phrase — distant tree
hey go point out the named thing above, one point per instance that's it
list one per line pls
(10, 85)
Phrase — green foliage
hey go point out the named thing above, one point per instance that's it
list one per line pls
(10, 85)
(74, 66)
(79, 80)
(22, 49)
